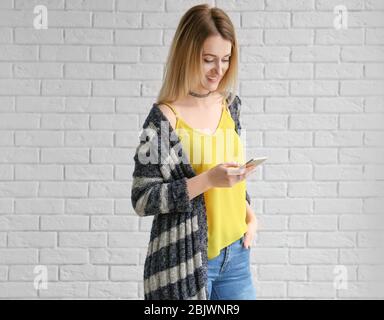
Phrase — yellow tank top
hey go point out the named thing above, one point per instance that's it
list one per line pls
(225, 206)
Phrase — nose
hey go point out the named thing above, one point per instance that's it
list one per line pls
(218, 69)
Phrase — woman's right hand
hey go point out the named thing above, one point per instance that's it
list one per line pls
(218, 176)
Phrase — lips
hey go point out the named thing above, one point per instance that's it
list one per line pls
(213, 79)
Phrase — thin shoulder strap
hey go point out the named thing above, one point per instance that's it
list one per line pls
(225, 102)
(172, 108)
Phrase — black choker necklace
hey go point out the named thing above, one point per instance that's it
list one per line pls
(198, 95)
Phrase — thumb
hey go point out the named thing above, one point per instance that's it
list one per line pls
(231, 163)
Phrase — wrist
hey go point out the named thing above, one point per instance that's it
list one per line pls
(208, 180)
(250, 216)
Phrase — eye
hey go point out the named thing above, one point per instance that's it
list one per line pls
(209, 61)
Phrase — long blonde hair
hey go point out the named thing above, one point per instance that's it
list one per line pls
(183, 69)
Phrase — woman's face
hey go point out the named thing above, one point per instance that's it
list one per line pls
(216, 53)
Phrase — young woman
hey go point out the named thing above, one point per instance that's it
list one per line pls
(203, 225)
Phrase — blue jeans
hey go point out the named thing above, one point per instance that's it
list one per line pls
(229, 274)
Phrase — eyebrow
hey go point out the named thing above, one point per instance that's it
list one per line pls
(210, 54)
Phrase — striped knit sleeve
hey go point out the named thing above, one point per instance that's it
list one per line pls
(151, 194)
(238, 130)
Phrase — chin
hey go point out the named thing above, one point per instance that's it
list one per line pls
(212, 86)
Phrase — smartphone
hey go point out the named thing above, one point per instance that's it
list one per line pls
(253, 161)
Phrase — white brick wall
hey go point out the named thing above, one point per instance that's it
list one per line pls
(72, 101)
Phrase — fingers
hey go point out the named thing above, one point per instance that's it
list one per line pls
(231, 164)
(247, 240)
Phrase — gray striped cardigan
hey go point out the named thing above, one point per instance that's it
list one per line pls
(175, 267)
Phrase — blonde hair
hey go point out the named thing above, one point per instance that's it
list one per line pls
(183, 69)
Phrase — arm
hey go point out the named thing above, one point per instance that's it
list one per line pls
(151, 194)
(236, 117)
(198, 184)
(251, 217)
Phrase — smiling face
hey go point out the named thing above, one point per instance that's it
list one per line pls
(215, 61)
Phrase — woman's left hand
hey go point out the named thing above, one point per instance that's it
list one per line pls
(251, 232)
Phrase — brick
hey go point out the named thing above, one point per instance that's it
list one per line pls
(287, 172)
(15, 223)
(314, 88)
(89, 104)
(116, 20)
(138, 37)
(18, 256)
(67, 121)
(89, 206)
(66, 87)
(282, 273)
(288, 139)
(65, 155)
(44, 70)
(82, 239)
(365, 53)
(289, 5)
(312, 189)
(339, 172)
(65, 290)
(289, 71)
(114, 256)
(83, 273)
(19, 52)
(288, 36)
(26, 272)
(63, 256)
(18, 189)
(313, 122)
(39, 138)
(313, 256)
(339, 71)
(311, 289)
(116, 88)
(328, 273)
(315, 53)
(64, 223)
(102, 223)
(39, 206)
(32, 36)
(126, 273)
(113, 289)
(89, 5)
(19, 87)
(265, 20)
(265, 54)
(339, 105)
(17, 289)
(88, 173)
(272, 239)
(138, 71)
(332, 239)
(88, 71)
(288, 206)
(140, 5)
(88, 36)
(313, 222)
(63, 53)
(128, 240)
(269, 255)
(334, 37)
(31, 239)
(80, 138)
(338, 138)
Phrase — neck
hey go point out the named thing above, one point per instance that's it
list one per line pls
(203, 102)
